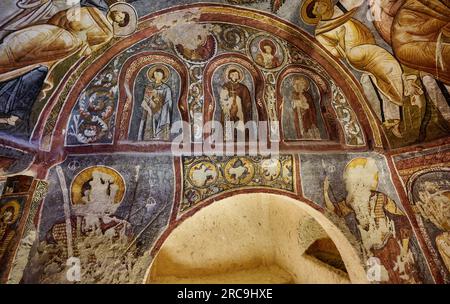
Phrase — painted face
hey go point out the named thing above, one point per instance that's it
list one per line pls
(300, 85)
(320, 8)
(234, 76)
(118, 16)
(268, 49)
(158, 76)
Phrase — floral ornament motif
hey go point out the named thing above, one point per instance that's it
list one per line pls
(94, 115)
(207, 176)
(352, 129)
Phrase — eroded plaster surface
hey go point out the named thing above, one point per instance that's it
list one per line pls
(355, 95)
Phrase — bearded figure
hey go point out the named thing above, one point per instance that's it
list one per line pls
(239, 96)
(376, 221)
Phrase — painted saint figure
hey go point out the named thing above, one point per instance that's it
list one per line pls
(305, 118)
(235, 101)
(157, 106)
(9, 214)
(99, 201)
(28, 55)
(238, 96)
(267, 56)
(348, 39)
(376, 220)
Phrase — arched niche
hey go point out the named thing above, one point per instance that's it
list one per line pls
(117, 103)
(132, 68)
(214, 76)
(320, 91)
(301, 48)
(429, 194)
(254, 238)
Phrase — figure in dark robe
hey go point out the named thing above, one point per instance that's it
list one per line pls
(17, 97)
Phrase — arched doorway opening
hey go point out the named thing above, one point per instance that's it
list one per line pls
(257, 238)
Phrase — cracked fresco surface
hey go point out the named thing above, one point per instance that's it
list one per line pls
(91, 92)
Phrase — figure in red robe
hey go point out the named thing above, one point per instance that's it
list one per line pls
(238, 93)
(305, 111)
(267, 56)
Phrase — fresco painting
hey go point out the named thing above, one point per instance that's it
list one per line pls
(157, 105)
(358, 190)
(425, 176)
(354, 94)
(302, 106)
(88, 204)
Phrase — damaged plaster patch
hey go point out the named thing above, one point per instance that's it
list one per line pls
(190, 36)
(182, 28)
(177, 19)
(102, 260)
(21, 259)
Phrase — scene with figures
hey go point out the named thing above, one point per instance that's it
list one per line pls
(225, 141)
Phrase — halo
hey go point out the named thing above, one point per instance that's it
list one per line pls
(130, 28)
(269, 42)
(234, 67)
(362, 162)
(297, 76)
(306, 11)
(156, 67)
(85, 175)
(11, 204)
